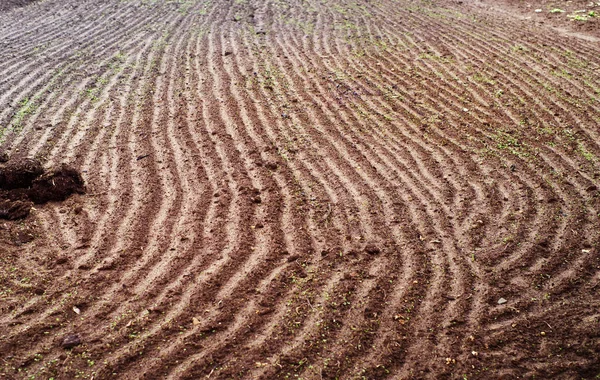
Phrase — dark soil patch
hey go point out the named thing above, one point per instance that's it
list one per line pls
(20, 174)
(24, 183)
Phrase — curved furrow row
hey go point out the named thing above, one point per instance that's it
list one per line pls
(80, 266)
(63, 51)
(532, 97)
(152, 241)
(65, 297)
(58, 41)
(300, 189)
(475, 122)
(224, 291)
(438, 262)
(491, 48)
(457, 206)
(58, 221)
(233, 251)
(37, 40)
(64, 73)
(581, 192)
(34, 149)
(30, 20)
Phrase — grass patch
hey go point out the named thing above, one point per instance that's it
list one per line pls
(507, 142)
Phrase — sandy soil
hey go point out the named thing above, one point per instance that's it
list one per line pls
(303, 190)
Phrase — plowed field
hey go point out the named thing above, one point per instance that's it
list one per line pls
(311, 189)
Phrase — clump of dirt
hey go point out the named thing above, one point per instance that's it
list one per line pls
(20, 174)
(56, 185)
(12, 210)
(24, 182)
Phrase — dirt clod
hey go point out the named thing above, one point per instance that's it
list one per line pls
(23, 183)
(57, 185)
(20, 174)
(71, 341)
(13, 210)
(372, 249)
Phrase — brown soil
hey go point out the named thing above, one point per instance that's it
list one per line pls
(300, 189)
(577, 18)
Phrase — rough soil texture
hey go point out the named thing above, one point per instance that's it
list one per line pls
(7, 5)
(578, 18)
(302, 189)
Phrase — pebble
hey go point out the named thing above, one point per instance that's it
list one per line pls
(502, 301)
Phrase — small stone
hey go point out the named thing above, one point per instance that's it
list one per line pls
(502, 301)
(4, 157)
(71, 341)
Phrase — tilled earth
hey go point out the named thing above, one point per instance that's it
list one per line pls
(303, 189)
